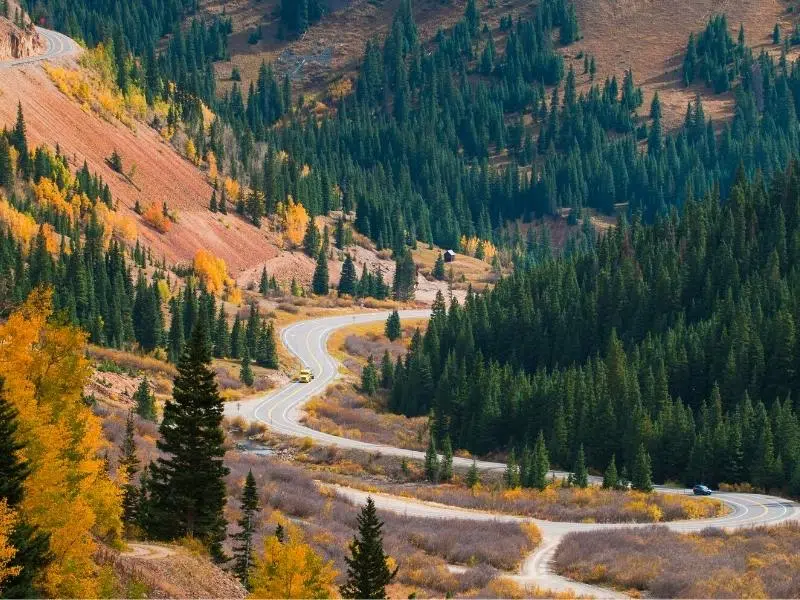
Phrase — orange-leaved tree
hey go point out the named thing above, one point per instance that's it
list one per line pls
(289, 568)
(295, 222)
(8, 520)
(68, 493)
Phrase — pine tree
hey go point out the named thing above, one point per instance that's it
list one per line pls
(32, 545)
(473, 476)
(446, 466)
(263, 284)
(245, 372)
(405, 277)
(311, 240)
(511, 476)
(243, 540)
(129, 466)
(145, 401)
(212, 206)
(6, 166)
(187, 490)
(431, 462)
(393, 328)
(349, 278)
(319, 283)
(19, 139)
(267, 355)
(610, 477)
(438, 268)
(580, 474)
(641, 473)
(541, 463)
(368, 573)
(387, 371)
(369, 378)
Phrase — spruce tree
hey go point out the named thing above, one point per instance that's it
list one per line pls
(245, 372)
(446, 466)
(393, 328)
(263, 284)
(431, 462)
(319, 283)
(641, 473)
(243, 540)
(473, 476)
(145, 401)
(541, 463)
(368, 573)
(369, 377)
(405, 277)
(349, 278)
(438, 268)
(611, 477)
(187, 491)
(129, 466)
(32, 545)
(580, 475)
(311, 240)
(387, 371)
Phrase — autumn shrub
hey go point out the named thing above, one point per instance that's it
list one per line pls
(753, 562)
(154, 216)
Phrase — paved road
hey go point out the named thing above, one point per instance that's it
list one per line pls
(282, 410)
(57, 45)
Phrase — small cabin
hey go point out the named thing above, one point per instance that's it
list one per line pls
(449, 256)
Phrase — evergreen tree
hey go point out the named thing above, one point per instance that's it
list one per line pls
(243, 539)
(438, 268)
(446, 466)
(32, 545)
(145, 401)
(311, 240)
(393, 328)
(641, 473)
(319, 283)
(511, 477)
(263, 284)
(610, 477)
(473, 476)
(267, 355)
(540, 463)
(349, 278)
(245, 372)
(187, 490)
(580, 474)
(368, 573)
(431, 462)
(369, 377)
(405, 277)
(387, 371)
(129, 466)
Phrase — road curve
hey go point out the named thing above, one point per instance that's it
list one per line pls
(281, 411)
(57, 45)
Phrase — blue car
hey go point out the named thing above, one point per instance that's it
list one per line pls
(701, 490)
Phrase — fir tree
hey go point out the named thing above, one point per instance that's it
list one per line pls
(438, 268)
(580, 475)
(311, 240)
(431, 462)
(129, 466)
(473, 476)
(245, 372)
(446, 466)
(212, 206)
(369, 377)
(641, 473)
(187, 491)
(145, 401)
(511, 476)
(368, 573)
(319, 283)
(610, 477)
(405, 277)
(263, 284)
(393, 329)
(243, 540)
(349, 278)
(387, 371)
(541, 463)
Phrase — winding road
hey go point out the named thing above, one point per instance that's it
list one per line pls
(282, 411)
(57, 45)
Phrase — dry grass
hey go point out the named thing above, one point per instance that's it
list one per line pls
(466, 269)
(762, 562)
(344, 412)
(590, 505)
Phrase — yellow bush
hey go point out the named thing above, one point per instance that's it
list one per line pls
(153, 215)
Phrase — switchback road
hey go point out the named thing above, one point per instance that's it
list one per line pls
(57, 45)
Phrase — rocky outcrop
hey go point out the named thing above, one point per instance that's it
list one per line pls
(18, 43)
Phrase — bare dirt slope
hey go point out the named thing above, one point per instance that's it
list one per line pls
(649, 36)
(161, 174)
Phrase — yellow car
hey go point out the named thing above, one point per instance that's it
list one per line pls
(305, 376)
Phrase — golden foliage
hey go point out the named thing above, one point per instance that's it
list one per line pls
(341, 88)
(190, 151)
(8, 520)
(469, 246)
(153, 215)
(291, 570)
(68, 492)
(116, 225)
(213, 170)
(295, 221)
(211, 270)
(23, 227)
(232, 188)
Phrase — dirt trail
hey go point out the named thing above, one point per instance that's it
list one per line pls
(140, 550)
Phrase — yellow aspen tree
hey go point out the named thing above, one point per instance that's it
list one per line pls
(8, 520)
(295, 222)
